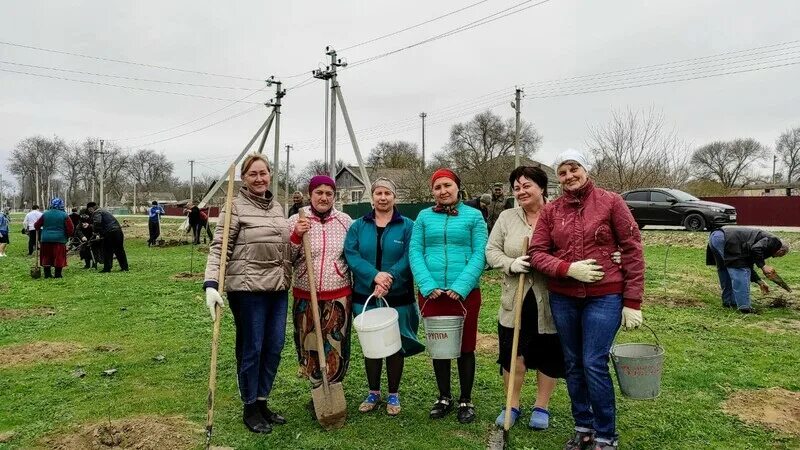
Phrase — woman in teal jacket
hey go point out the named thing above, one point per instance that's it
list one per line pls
(447, 260)
(376, 249)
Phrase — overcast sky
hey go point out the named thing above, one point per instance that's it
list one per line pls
(556, 40)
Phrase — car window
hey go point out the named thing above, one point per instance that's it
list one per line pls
(660, 197)
(638, 196)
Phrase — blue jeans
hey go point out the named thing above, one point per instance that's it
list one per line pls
(587, 328)
(734, 281)
(260, 319)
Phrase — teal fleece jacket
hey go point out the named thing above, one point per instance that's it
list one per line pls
(360, 250)
(448, 252)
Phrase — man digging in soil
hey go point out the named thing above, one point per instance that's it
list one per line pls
(735, 250)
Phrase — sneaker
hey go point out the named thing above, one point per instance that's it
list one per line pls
(583, 440)
(540, 419)
(442, 406)
(370, 403)
(466, 412)
(393, 405)
(501, 418)
(604, 446)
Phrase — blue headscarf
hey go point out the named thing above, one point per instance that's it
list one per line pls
(57, 203)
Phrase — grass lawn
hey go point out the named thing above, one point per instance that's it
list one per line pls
(123, 320)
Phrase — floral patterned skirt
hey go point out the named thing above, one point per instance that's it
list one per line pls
(335, 320)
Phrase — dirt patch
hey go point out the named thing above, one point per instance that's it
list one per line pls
(672, 300)
(184, 276)
(487, 344)
(4, 288)
(143, 433)
(23, 354)
(778, 326)
(107, 348)
(8, 436)
(12, 314)
(774, 408)
(675, 238)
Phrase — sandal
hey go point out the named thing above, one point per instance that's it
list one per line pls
(393, 405)
(501, 418)
(466, 412)
(583, 440)
(442, 406)
(370, 403)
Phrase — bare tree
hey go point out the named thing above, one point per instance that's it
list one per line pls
(788, 149)
(635, 149)
(485, 137)
(149, 170)
(729, 162)
(70, 168)
(35, 158)
(395, 155)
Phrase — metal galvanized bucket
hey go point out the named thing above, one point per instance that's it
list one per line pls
(378, 331)
(639, 368)
(443, 334)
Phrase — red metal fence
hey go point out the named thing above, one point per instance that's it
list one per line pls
(770, 211)
(212, 211)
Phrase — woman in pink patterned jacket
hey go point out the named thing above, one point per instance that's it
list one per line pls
(327, 228)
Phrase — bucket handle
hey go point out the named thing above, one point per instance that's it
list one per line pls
(460, 302)
(366, 303)
(658, 343)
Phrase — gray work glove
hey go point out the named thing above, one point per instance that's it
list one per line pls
(212, 299)
(586, 271)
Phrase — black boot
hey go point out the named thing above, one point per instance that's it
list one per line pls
(47, 272)
(254, 421)
(271, 417)
(58, 272)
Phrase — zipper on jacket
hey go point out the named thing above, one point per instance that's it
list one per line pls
(446, 219)
(322, 260)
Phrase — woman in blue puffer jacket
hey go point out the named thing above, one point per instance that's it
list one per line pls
(376, 249)
(447, 259)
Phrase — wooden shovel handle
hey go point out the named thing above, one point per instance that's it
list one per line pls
(312, 288)
(519, 298)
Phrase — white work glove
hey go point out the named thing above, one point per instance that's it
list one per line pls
(520, 265)
(616, 257)
(212, 299)
(587, 271)
(631, 318)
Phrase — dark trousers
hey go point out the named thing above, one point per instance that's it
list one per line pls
(197, 230)
(113, 245)
(155, 232)
(260, 319)
(32, 241)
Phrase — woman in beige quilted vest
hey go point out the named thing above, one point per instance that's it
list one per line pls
(257, 281)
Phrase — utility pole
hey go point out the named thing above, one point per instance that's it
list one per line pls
(191, 180)
(1, 191)
(774, 163)
(332, 71)
(133, 205)
(327, 105)
(423, 116)
(516, 105)
(276, 109)
(102, 174)
(38, 195)
(286, 181)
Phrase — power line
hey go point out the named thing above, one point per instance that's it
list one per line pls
(100, 83)
(148, 80)
(369, 41)
(482, 21)
(133, 63)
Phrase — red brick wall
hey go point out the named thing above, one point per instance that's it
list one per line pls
(770, 211)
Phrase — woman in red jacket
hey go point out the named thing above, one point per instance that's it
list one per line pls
(590, 296)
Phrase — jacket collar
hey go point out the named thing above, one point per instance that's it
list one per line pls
(396, 216)
(579, 196)
(264, 201)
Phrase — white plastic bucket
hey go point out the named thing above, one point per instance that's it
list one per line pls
(378, 331)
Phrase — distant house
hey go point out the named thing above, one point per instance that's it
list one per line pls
(768, 190)
(350, 188)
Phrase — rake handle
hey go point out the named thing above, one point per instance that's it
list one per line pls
(519, 298)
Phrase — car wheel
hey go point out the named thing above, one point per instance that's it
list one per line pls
(639, 224)
(694, 222)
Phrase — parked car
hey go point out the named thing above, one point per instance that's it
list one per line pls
(658, 206)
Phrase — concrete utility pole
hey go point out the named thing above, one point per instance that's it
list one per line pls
(102, 174)
(327, 105)
(286, 181)
(133, 205)
(332, 71)
(191, 180)
(1, 191)
(774, 163)
(423, 116)
(516, 105)
(38, 195)
(276, 109)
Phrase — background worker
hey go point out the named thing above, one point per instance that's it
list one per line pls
(154, 222)
(297, 203)
(4, 222)
(497, 205)
(481, 204)
(29, 228)
(735, 250)
(109, 229)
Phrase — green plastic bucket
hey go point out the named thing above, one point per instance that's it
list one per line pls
(443, 335)
(639, 368)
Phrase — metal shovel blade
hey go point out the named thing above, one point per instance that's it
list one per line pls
(36, 272)
(775, 278)
(330, 407)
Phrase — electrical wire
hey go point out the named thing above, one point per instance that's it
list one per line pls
(148, 80)
(395, 33)
(133, 63)
(100, 83)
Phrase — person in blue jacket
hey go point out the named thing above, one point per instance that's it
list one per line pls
(447, 257)
(154, 222)
(376, 249)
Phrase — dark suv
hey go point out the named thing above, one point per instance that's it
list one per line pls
(674, 207)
